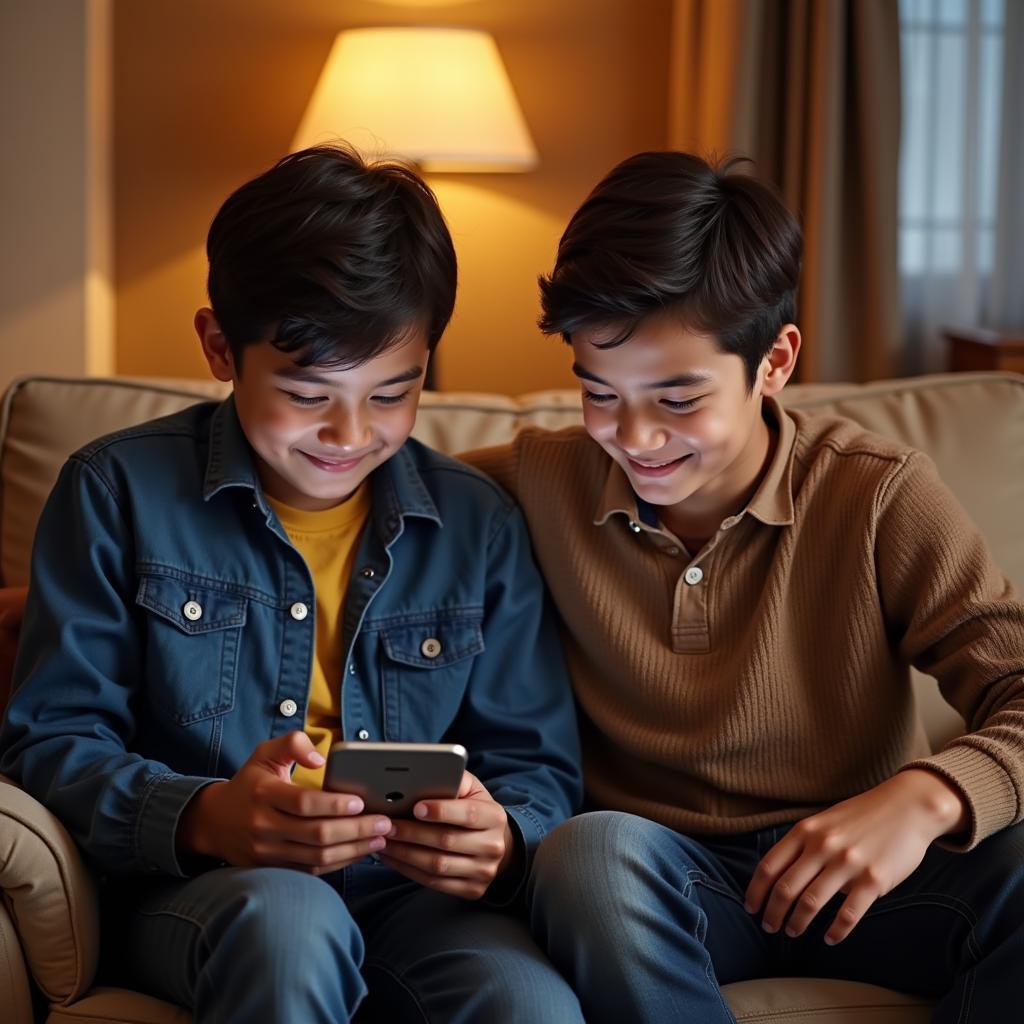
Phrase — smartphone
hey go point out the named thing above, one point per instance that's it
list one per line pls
(391, 777)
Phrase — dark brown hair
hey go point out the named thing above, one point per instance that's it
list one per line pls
(331, 258)
(668, 231)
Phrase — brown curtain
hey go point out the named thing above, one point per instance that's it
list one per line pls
(810, 90)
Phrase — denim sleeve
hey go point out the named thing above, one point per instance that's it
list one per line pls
(518, 718)
(70, 720)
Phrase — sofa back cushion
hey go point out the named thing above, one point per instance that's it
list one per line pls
(972, 425)
(44, 419)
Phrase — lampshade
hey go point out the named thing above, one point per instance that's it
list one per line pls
(437, 96)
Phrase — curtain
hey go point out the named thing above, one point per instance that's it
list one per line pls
(810, 90)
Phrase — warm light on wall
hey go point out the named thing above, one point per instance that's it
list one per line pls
(436, 96)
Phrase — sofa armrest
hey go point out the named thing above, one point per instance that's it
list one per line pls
(15, 997)
(49, 895)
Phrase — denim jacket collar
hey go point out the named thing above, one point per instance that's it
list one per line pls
(230, 462)
(398, 487)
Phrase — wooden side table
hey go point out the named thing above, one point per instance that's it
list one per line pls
(976, 348)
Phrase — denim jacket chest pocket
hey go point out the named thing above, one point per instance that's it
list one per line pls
(193, 631)
(426, 664)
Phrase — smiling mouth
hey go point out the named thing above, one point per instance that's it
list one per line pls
(334, 465)
(657, 468)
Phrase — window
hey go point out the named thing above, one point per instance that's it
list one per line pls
(951, 54)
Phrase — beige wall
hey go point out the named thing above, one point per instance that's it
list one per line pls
(209, 92)
(55, 261)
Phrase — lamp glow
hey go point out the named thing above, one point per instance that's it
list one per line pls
(437, 96)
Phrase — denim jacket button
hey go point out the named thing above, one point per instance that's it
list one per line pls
(288, 708)
(298, 611)
(431, 647)
(192, 610)
(363, 734)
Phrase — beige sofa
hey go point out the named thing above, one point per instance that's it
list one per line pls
(971, 424)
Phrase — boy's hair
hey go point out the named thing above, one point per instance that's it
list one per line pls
(668, 231)
(331, 258)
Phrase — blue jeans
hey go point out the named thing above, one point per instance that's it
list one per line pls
(266, 945)
(647, 924)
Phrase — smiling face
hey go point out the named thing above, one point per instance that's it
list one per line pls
(318, 432)
(675, 412)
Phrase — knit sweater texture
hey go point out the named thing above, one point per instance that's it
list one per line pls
(766, 676)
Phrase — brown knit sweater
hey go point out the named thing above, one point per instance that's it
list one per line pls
(767, 676)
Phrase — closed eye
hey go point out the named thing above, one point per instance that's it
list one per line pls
(679, 405)
(305, 399)
(597, 398)
(392, 399)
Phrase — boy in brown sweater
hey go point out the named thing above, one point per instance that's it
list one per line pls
(743, 591)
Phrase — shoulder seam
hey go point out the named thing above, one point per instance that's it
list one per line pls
(87, 452)
(88, 465)
(882, 456)
(883, 491)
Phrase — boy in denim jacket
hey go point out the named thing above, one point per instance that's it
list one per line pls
(219, 595)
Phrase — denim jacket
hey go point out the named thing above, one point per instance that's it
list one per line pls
(169, 630)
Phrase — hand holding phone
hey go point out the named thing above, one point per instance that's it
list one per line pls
(260, 817)
(457, 846)
(391, 778)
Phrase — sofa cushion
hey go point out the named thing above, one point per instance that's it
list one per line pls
(118, 1006)
(822, 1001)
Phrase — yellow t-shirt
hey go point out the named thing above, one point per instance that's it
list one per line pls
(328, 541)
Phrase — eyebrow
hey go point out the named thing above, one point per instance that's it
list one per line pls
(305, 375)
(684, 380)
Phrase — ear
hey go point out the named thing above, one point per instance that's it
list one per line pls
(779, 364)
(215, 345)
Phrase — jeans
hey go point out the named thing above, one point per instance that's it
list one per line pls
(647, 924)
(276, 946)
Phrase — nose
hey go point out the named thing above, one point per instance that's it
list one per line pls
(637, 434)
(346, 430)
